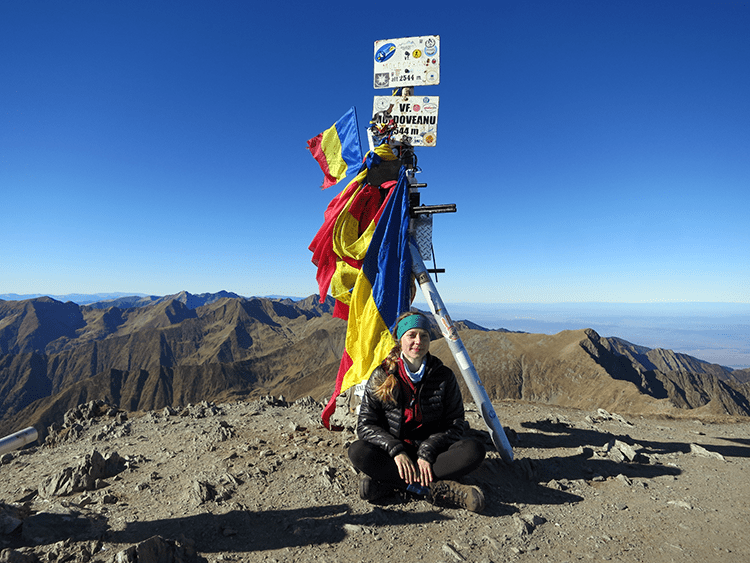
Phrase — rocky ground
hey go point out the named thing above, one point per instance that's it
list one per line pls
(263, 481)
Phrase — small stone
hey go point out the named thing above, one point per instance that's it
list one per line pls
(695, 449)
(627, 450)
(453, 553)
(203, 491)
(16, 556)
(625, 480)
(681, 504)
(9, 522)
(527, 523)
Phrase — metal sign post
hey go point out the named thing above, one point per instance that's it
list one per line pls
(405, 121)
(457, 348)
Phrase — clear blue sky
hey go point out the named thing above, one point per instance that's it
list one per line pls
(597, 151)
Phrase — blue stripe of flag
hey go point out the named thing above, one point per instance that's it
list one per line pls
(348, 132)
(387, 264)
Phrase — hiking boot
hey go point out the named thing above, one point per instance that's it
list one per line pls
(453, 494)
(371, 490)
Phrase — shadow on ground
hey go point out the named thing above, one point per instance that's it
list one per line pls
(242, 531)
(556, 434)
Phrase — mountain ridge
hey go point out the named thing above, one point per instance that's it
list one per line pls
(185, 348)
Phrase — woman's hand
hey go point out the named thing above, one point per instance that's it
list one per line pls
(426, 476)
(406, 469)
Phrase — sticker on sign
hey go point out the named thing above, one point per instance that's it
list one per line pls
(408, 119)
(406, 62)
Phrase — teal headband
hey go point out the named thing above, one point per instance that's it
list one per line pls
(412, 321)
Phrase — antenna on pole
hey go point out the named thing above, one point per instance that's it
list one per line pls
(405, 121)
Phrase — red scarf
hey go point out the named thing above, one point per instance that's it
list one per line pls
(412, 412)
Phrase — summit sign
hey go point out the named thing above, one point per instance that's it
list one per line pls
(407, 62)
(412, 118)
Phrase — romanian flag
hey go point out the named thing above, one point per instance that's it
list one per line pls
(341, 242)
(352, 233)
(337, 148)
(322, 245)
(381, 293)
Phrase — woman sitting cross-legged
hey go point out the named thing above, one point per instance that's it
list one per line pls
(410, 426)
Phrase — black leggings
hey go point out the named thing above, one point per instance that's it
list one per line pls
(461, 458)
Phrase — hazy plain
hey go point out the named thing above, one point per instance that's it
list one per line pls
(714, 332)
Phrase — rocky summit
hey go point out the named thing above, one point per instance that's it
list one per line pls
(187, 429)
(261, 480)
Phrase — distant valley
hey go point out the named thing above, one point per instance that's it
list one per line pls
(148, 352)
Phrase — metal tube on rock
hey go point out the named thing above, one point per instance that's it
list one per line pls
(17, 440)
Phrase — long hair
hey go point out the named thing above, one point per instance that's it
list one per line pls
(387, 390)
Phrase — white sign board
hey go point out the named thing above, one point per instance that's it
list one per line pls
(409, 61)
(414, 118)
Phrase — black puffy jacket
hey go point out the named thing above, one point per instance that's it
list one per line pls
(441, 404)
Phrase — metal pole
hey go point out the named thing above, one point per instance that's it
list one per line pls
(19, 439)
(457, 348)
